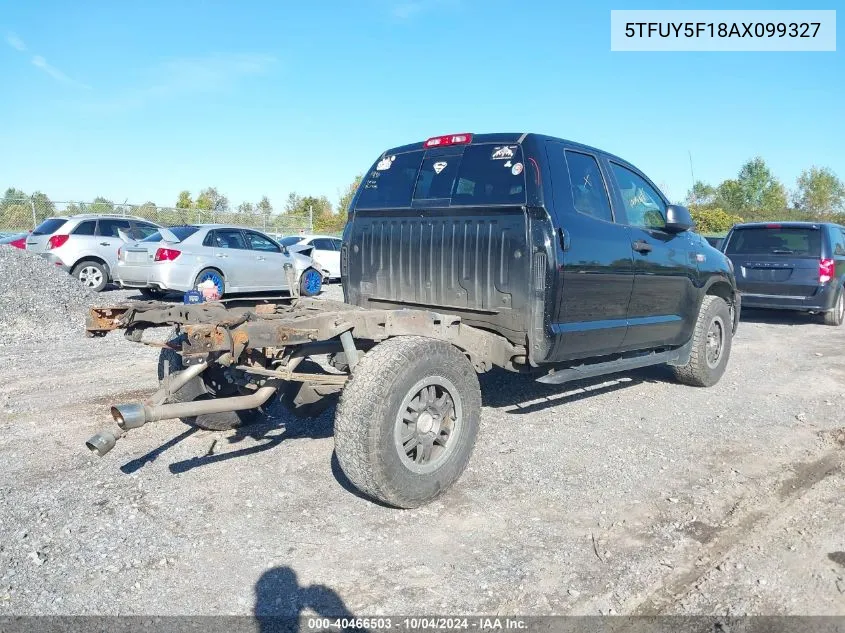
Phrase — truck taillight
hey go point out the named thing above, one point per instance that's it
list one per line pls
(57, 240)
(166, 254)
(449, 139)
(827, 268)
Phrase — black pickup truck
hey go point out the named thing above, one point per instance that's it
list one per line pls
(462, 253)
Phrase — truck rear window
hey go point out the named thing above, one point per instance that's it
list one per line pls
(482, 175)
(797, 241)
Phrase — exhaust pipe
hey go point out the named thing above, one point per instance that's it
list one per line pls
(136, 415)
(103, 442)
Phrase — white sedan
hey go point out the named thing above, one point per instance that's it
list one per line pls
(326, 250)
(233, 258)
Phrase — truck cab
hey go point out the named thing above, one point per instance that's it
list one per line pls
(557, 246)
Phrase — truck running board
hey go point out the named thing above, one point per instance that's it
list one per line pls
(677, 356)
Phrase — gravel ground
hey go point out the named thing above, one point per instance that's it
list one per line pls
(37, 300)
(627, 495)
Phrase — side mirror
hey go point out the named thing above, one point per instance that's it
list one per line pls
(678, 219)
(285, 250)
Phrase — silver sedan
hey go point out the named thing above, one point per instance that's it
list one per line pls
(234, 259)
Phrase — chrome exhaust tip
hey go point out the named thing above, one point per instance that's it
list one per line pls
(102, 442)
(129, 416)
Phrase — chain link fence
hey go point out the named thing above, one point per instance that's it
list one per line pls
(18, 215)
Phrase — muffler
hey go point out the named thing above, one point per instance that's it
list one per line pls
(103, 442)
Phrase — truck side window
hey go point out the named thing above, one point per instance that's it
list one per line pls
(643, 205)
(589, 194)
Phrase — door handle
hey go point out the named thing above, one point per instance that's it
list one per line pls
(641, 246)
(220, 255)
(104, 244)
(563, 236)
(261, 259)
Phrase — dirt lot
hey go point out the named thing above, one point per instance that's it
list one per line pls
(633, 495)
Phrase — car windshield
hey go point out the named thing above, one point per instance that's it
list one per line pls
(289, 240)
(485, 174)
(776, 240)
(181, 233)
(49, 226)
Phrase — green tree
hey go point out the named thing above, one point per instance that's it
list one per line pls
(246, 208)
(701, 194)
(211, 200)
(264, 207)
(293, 205)
(13, 196)
(713, 220)
(820, 192)
(347, 194)
(100, 205)
(755, 191)
(184, 201)
(44, 207)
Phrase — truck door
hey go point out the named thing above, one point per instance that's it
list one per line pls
(596, 275)
(663, 303)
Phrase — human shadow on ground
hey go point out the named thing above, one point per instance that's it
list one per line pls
(280, 602)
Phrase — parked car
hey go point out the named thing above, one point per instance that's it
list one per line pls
(790, 266)
(85, 245)
(18, 240)
(235, 259)
(326, 250)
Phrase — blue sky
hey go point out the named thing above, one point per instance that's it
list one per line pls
(140, 100)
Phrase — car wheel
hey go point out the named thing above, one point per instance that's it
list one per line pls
(407, 420)
(92, 275)
(216, 278)
(710, 345)
(837, 315)
(310, 283)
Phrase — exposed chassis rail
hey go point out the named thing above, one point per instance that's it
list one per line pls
(212, 327)
(259, 347)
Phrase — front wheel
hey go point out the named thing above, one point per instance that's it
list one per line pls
(310, 283)
(710, 345)
(407, 420)
(837, 315)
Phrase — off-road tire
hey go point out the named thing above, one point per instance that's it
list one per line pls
(170, 362)
(91, 264)
(837, 315)
(698, 372)
(367, 413)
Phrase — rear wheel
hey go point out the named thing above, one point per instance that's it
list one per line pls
(215, 276)
(92, 275)
(310, 283)
(710, 345)
(210, 384)
(837, 315)
(407, 420)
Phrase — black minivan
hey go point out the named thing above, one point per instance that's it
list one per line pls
(790, 266)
